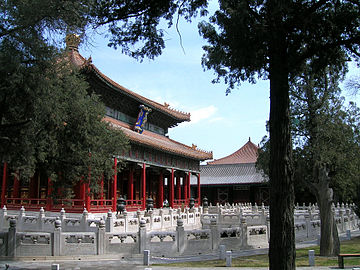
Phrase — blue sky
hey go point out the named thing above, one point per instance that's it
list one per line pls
(219, 123)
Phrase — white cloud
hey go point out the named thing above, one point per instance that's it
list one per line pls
(216, 119)
(202, 113)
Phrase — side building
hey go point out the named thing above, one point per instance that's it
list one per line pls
(234, 178)
(156, 166)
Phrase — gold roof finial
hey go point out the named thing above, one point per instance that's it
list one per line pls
(72, 41)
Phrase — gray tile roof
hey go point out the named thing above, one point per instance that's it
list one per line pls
(225, 174)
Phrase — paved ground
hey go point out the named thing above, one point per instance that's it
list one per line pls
(134, 262)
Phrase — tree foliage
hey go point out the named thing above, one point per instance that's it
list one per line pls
(276, 40)
(325, 139)
(48, 118)
(50, 122)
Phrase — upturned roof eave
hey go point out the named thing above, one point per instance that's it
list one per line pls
(141, 100)
(86, 64)
(163, 144)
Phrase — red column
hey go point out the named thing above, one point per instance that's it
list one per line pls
(198, 186)
(131, 184)
(114, 187)
(189, 188)
(3, 186)
(87, 196)
(31, 187)
(16, 187)
(185, 188)
(49, 199)
(160, 191)
(143, 185)
(171, 187)
(178, 188)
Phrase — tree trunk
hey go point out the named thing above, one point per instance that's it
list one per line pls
(329, 241)
(282, 236)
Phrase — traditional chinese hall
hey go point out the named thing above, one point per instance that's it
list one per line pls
(155, 165)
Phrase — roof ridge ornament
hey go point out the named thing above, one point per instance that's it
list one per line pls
(72, 41)
(167, 105)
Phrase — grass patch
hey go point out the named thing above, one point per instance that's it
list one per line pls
(302, 258)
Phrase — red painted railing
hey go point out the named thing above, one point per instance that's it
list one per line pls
(133, 205)
(30, 203)
(180, 203)
(100, 205)
(78, 205)
(70, 205)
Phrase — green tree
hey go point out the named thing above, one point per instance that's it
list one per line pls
(353, 86)
(48, 120)
(326, 145)
(53, 124)
(275, 39)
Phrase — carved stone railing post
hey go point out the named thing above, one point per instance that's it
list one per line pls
(3, 215)
(12, 238)
(263, 215)
(126, 220)
(180, 235)
(243, 228)
(171, 213)
(41, 220)
(255, 208)
(267, 228)
(341, 214)
(310, 213)
(83, 222)
(150, 213)
(308, 226)
(62, 217)
(101, 238)
(215, 235)
(57, 238)
(109, 224)
(139, 215)
(240, 213)
(161, 213)
(20, 221)
(142, 236)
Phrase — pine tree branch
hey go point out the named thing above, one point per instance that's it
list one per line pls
(15, 124)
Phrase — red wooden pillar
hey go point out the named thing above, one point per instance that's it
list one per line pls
(185, 188)
(3, 185)
(189, 187)
(178, 188)
(131, 184)
(171, 187)
(16, 187)
(87, 196)
(160, 191)
(143, 186)
(198, 188)
(114, 187)
(31, 190)
(49, 202)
